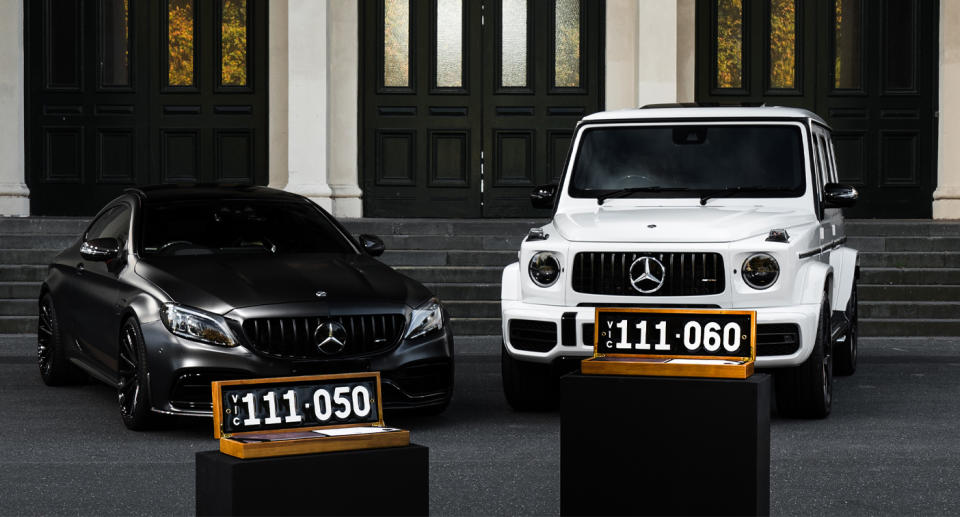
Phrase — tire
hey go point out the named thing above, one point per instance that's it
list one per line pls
(132, 379)
(528, 386)
(55, 368)
(806, 391)
(845, 353)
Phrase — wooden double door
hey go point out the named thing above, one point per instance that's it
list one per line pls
(468, 104)
(131, 92)
(868, 67)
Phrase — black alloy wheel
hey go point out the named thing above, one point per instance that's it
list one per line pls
(55, 368)
(131, 378)
(845, 362)
(806, 391)
(528, 386)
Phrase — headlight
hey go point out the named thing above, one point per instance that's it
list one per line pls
(760, 271)
(544, 269)
(197, 325)
(425, 319)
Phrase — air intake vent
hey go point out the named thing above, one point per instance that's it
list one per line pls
(533, 336)
(683, 274)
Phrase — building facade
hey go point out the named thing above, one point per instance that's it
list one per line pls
(449, 108)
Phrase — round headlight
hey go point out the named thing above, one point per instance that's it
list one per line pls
(760, 271)
(544, 269)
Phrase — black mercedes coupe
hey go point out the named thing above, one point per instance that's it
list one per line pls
(170, 288)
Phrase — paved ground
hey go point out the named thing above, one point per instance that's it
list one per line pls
(891, 446)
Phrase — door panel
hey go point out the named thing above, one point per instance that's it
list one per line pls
(107, 109)
(868, 68)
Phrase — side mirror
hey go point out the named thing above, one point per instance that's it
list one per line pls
(836, 195)
(100, 250)
(372, 244)
(543, 196)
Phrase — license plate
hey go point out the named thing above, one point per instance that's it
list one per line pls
(688, 333)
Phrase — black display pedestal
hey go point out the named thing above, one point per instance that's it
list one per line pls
(387, 481)
(633, 445)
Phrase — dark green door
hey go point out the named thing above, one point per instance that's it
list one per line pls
(127, 92)
(867, 67)
(468, 105)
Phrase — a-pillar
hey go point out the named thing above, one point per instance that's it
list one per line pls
(14, 195)
(946, 199)
(307, 150)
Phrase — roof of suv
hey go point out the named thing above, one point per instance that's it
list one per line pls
(701, 112)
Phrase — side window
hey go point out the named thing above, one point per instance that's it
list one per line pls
(834, 175)
(114, 223)
(824, 160)
(817, 167)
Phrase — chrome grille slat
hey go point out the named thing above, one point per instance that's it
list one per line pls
(283, 337)
(687, 273)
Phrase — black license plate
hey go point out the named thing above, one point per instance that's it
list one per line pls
(675, 332)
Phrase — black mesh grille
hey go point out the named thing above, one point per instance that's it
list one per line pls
(294, 337)
(686, 274)
(778, 339)
(534, 336)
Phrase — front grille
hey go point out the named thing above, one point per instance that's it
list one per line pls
(293, 338)
(533, 336)
(686, 274)
(778, 339)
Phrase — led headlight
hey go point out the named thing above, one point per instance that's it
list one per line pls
(425, 319)
(544, 268)
(760, 270)
(197, 325)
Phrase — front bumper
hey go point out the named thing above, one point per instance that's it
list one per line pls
(416, 373)
(804, 316)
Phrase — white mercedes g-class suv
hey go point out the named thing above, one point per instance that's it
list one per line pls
(690, 207)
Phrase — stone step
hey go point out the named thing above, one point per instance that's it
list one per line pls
(449, 227)
(27, 256)
(907, 259)
(18, 324)
(448, 257)
(50, 242)
(43, 225)
(22, 273)
(459, 242)
(18, 307)
(471, 308)
(916, 276)
(19, 290)
(475, 326)
(464, 292)
(909, 293)
(915, 244)
(912, 310)
(453, 274)
(903, 327)
(902, 227)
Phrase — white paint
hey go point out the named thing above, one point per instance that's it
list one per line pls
(946, 199)
(307, 100)
(14, 195)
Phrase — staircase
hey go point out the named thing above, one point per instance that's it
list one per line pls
(909, 284)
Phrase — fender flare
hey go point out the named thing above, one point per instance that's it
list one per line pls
(510, 282)
(846, 263)
(815, 277)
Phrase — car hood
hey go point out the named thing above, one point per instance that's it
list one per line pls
(674, 224)
(221, 283)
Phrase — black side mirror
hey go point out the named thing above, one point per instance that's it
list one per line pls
(100, 250)
(372, 244)
(543, 196)
(836, 195)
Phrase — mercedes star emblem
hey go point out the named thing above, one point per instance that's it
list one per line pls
(331, 337)
(647, 274)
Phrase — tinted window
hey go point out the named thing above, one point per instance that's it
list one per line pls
(698, 158)
(238, 226)
(114, 223)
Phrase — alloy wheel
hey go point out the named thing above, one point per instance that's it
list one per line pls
(128, 387)
(44, 337)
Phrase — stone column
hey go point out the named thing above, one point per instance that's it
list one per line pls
(641, 53)
(343, 110)
(307, 152)
(946, 199)
(14, 195)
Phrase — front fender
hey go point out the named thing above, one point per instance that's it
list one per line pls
(510, 283)
(813, 278)
(844, 261)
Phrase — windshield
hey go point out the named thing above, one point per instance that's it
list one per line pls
(237, 226)
(669, 161)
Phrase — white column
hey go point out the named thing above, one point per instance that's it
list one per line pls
(343, 109)
(686, 49)
(946, 199)
(307, 100)
(278, 130)
(621, 63)
(14, 195)
(641, 53)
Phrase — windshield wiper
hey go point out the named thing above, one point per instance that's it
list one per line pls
(630, 190)
(729, 191)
